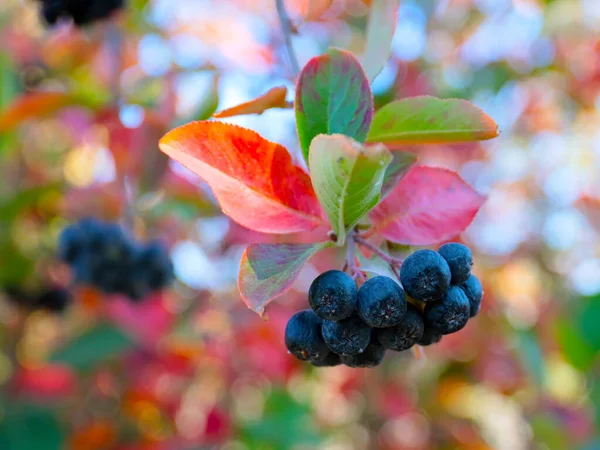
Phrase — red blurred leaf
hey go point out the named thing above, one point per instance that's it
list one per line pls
(253, 179)
(53, 380)
(269, 270)
(428, 206)
(31, 105)
(273, 98)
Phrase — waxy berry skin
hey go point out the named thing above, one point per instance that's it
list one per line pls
(404, 335)
(429, 337)
(450, 314)
(474, 292)
(82, 12)
(381, 302)
(331, 360)
(303, 337)
(350, 336)
(332, 295)
(425, 276)
(371, 357)
(459, 259)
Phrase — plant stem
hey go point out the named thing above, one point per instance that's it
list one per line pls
(287, 35)
(351, 258)
(394, 262)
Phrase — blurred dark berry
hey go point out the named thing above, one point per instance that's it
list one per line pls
(474, 292)
(404, 335)
(371, 357)
(82, 12)
(332, 295)
(459, 259)
(55, 300)
(330, 361)
(346, 337)
(450, 314)
(303, 337)
(429, 337)
(425, 275)
(381, 302)
(154, 260)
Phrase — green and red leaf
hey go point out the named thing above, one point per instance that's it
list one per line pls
(333, 96)
(273, 98)
(430, 205)
(269, 270)
(430, 120)
(347, 178)
(401, 164)
(33, 105)
(380, 32)
(254, 180)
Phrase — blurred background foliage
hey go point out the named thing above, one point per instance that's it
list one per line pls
(191, 368)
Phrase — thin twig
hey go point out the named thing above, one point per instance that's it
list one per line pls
(286, 28)
(351, 258)
(394, 262)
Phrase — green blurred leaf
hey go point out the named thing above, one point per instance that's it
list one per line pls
(588, 319)
(576, 349)
(333, 96)
(548, 431)
(102, 343)
(380, 32)
(401, 163)
(347, 178)
(531, 355)
(26, 427)
(430, 120)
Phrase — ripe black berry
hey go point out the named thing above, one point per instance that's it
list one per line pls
(303, 337)
(459, 259)
(332, 295)
(371, 357)
(55, 300)
(404, 335)
(425, 275)
(346, 337)
(450, 314)
(474, 292)
(330, 361)
(381, 302)
(429, 337)
(81, 11)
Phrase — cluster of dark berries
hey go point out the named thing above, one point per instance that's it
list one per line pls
(82, 12)
(355, 327)
(102, 255)
(51, 299)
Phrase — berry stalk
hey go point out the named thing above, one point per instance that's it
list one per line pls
(394, 262)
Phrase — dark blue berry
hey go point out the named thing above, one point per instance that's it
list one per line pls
(55, 300)
(70, 244)
(155, 262)
(450, 314)
(332, 295)
(425, 275)
(429, 337)
(459, 259)
(404, 335)
(81, 11)
(331, 361)
(381, 302)
(371, 357)
(474, 292)
(346, 337)
(303, 337)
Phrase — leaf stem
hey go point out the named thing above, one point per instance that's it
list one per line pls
(394, 262)
(287, 35)
(350, 264)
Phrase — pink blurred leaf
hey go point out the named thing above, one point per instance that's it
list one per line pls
(430, 205)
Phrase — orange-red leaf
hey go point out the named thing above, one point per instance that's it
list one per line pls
(31, 105)
(273, 98)
(253, 179)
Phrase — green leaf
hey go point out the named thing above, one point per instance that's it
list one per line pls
(102, 343)
(380, 32)
(26, 427)
(269, 270)
(333, 96)
(430, 120)
(576, 350)
(401, 163)
(347, 178)
(531, 355)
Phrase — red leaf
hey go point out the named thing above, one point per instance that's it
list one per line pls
(31, 105)
(273, 98)
(428, 206)
(254, 180)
